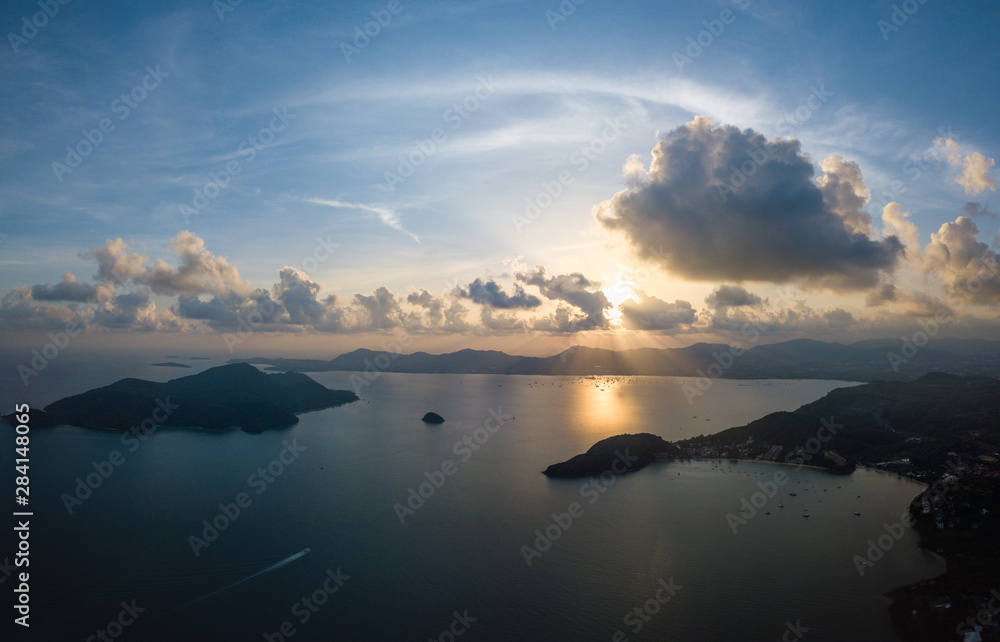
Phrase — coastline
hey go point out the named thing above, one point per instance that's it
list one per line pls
(760, 461)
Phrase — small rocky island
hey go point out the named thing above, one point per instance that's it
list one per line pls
(230, 396)
(171, 364)
(619, 454)
(432, 418)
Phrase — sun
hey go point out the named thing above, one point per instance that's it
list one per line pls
(617, 294)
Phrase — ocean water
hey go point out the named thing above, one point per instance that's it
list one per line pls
(335, 482)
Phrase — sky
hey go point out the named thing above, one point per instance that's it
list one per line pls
(313, 177)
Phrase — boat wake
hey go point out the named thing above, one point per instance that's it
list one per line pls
(272, 567)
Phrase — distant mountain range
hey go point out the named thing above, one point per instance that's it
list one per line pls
(231, 396)
(797, 359)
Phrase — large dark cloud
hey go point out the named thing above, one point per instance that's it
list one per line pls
(490, 293)
(721, 203)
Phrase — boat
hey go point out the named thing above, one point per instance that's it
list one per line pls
(858, 513)
(781, 505)
(793, 494)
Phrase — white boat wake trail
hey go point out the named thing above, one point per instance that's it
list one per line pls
(272, 567)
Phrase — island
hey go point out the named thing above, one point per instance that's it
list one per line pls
(618, 455)
(432, 418)
(230, 396)
(171, 364)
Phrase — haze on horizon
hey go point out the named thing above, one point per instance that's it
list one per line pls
(516, 176)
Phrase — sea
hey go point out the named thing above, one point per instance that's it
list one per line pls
(444, 532)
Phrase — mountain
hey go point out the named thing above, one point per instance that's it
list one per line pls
(871, 360)
(919, 421)
(230, 396)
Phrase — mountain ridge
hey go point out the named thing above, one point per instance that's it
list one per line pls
(866, 360)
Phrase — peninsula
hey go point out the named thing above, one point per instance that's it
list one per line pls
(619, 455)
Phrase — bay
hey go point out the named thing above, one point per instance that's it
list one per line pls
(336, 481)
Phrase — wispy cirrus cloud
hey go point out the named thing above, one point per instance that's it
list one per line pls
(385, 214)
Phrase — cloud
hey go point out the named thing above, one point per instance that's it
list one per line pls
(501, 322)
(883, 293)
(787, 322)
(217, 311)
(897, 224)
(951, 149)
(454, 318)
(978, 210)
(968, 267)
(572, 289)
(838, 318)
(845, 192)
(114, 262)
(69, 289)
(386, 215)
(731, 296)
(491, 294)
(651, 313)
(700, 216)
(975, 167)
(633, 168)
(381, 310)
(18, 312)
(297, 293)
(134, 311)
(443, 314)
(426, 300)
(200, 271)
(974, 177)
